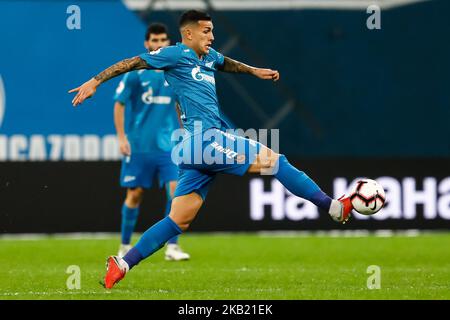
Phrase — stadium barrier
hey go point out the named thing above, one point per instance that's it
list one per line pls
(59, 197)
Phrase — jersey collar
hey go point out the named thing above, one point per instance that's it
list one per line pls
(191, 51)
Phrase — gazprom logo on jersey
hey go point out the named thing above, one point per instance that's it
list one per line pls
(54, 147)
(403, 198)
(198, 76)
(149, 98)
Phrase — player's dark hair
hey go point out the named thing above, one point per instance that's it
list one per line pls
(156, 28)
(191, 16)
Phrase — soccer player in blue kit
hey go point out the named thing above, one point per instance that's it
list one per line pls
(146, 144)
(189, 69)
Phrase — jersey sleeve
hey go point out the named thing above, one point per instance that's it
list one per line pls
(126, 87)
(163, 58)
(217, 57)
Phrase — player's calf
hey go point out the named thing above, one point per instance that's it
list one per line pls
(130, 213)
(184, 209)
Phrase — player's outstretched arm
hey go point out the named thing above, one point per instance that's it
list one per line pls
(87, 89)
(119, 123)
(233, 66)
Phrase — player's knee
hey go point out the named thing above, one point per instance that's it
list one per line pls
(172, 187)
(184, 226)
(183, 222)
(184, 213)
(134, 196)
(268, 158)
(274, 159)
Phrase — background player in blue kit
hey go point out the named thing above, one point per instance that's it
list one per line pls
(144, 132)
(189, 68)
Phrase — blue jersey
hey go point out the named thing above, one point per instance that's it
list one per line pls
(192, 80)
(152, 116)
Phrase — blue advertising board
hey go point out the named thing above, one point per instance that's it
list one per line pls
(42, 57)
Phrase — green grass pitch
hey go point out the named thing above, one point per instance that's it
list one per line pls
(241, 266)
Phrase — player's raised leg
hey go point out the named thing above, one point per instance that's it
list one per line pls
(130, 213)
(298, 183)
(173, 250)
(183, 211)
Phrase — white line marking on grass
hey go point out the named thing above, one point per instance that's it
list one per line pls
(137, 291)
(344, 233)
(34, 293)
(66, 236)
(263, 233)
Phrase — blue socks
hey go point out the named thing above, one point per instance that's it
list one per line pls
(173, 240)
(129, 218)
(298, 183)
(166, 230)
(152, 240)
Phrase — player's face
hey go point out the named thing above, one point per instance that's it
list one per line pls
(202, 37)
(156, 41)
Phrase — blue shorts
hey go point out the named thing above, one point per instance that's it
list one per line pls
(199, 160)
(140, 169)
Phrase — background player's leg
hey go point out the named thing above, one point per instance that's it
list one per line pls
(170, 190)
(130, 213)
(296, 181)
(183, 211)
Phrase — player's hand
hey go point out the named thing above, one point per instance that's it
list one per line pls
(124, 146)
(267, 74)
(85, 91)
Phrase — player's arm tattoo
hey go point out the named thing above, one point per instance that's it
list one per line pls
(121, 67)
(233, 66)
